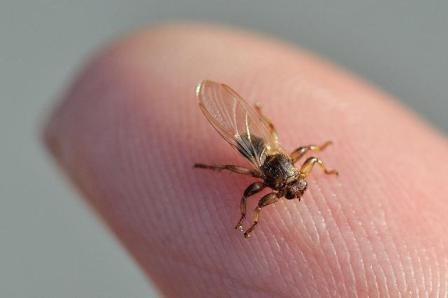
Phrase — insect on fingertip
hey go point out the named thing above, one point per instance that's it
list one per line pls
(254, 136)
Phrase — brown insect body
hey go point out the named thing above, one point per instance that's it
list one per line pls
(278, 171)
(254, 136)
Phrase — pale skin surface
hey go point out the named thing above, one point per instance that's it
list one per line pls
(129, 131)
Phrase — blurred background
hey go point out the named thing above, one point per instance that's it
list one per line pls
(52, 245)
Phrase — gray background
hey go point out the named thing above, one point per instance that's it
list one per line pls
(51, 243)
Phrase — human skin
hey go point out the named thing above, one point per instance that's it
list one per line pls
(129, 130)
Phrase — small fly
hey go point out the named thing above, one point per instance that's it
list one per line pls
(254, 136)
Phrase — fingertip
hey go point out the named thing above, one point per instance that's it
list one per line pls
(129, 131)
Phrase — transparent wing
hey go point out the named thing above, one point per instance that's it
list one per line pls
(236, 121)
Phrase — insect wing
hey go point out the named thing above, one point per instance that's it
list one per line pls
(235, 120)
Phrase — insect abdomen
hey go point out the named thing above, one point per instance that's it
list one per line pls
(250, 152)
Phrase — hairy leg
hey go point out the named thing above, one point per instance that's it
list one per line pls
(231, 168)
(298, 153)
(268, 199)
(250, 190)
(308, 165)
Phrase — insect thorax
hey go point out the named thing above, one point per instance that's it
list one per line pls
(278, 170)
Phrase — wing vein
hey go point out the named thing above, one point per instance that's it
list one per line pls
(236, 121)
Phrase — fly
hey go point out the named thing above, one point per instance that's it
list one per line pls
(254, 136)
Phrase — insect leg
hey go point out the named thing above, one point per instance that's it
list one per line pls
(268, 121)
(231, 168)
(301, 151)
(309, 164)
(268, 199)
(250, 190)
